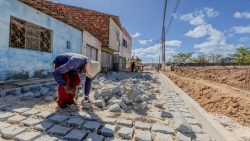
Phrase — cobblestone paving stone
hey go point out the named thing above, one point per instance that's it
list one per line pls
(75, 135)
(43, 126)
(59, 118)
(91, 125)
(28, 136)
(16, 119)
(142, 125)
(125, 122)
(75, 121)
(31, 122)
(46, 138)
(59, 130)
(108, 130)
(50, 126)
(12, 131)
(30, 112)
(142, 135)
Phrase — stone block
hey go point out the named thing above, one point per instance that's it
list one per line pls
(76, 135)
(94, 137)
(109, 121)
(192, 121)
(4, 125)
(99, 103)
(46, 138)
(59, 118)
(108, 130)
(115, 108)
(45, 114)
(31, 122)
(43, 126)
(123, 105)
(20, 110)
(12, 131)
(140, 106)
(125, 122)
(91, 117)
(58, 130)
(142, 125)
(91, 125)
(166, 114)
(202, 137)
(28, 136)
(183, 137)
(126, 133)
(16, 119)
(87, 105)
(142, 135)
(30, 112)
(75, 121)
(5, 116)
(163, 137)
(197, 129)
(162, 129)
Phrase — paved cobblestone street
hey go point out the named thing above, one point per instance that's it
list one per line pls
(170, 121)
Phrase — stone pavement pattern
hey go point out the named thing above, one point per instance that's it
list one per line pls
(178, 124)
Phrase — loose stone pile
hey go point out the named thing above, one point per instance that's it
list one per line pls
(123, 93)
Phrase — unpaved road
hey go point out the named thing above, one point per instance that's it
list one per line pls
(216, 98)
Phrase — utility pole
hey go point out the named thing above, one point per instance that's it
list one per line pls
(163, 38)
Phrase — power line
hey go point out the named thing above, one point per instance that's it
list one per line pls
(172, 17)
(163, 34)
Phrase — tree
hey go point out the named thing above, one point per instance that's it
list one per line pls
(182, 57)
(242, 55)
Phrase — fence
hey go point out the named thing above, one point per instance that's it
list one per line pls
(238, 77)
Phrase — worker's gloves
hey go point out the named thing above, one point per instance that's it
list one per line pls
(69, 89)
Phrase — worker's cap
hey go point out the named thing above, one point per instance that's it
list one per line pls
(92, 68)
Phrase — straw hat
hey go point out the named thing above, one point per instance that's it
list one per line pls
(92, 68)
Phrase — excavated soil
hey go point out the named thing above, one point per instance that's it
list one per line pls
(216, 98)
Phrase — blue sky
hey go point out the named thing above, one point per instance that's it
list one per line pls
(209, 26)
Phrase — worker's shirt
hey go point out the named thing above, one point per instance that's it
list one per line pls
(70, 63)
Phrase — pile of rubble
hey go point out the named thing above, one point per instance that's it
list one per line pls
(124, 92)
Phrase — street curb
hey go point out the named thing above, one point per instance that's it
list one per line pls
(212, 127)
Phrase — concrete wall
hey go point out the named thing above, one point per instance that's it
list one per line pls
(126, 52)
(13, 61)
(114, 35)
(90, 40)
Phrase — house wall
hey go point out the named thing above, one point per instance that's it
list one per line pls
(23, 63)
(90, 40)
(114, 35)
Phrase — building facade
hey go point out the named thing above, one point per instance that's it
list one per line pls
(30, 39)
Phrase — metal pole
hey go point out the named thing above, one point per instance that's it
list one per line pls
(163, 39)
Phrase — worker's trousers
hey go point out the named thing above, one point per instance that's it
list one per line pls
(72, 80)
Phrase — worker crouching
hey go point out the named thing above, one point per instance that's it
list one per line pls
(68, 68)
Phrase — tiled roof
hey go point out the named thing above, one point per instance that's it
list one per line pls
(96, 23)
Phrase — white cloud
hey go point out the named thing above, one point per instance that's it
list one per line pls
(215, 43)
(137, 34)
(244, 39)
(174, 43)
(211, 12)
(145, 42)
(242, 15)
(198, 17)
(242, 29)
(199, 31)
(153, 52)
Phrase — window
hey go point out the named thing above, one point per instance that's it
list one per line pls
(29, 36)
(124, 43)
(92, 53)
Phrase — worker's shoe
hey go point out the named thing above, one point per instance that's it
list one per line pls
(86, 99)
(63, 106)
